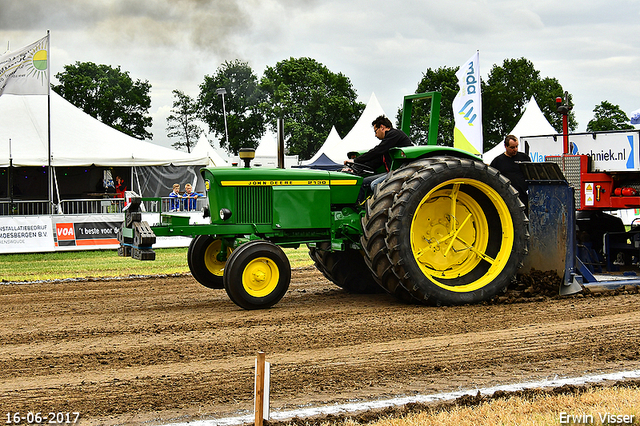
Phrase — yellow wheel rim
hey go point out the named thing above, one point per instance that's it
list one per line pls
(215, 266)
(450, 234)
(260, 277)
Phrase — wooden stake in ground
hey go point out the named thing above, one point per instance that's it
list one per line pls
(261, 389)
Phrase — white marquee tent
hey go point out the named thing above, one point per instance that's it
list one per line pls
(532, 123)
(82, 150)
(360, 138)
(77, 139)
(204, 149)
(332, 140)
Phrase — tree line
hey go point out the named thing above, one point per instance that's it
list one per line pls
(311, 99)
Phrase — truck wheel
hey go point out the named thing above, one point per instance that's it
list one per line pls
(257, 275)
(457, 232)
(374, 224)
(202, 257)
(346, 269)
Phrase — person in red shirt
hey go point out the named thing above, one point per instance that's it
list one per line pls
(121, 187)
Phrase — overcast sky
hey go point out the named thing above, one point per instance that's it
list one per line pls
(591, 46)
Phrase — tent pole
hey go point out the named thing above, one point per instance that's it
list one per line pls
(137, 174)
(55, 177)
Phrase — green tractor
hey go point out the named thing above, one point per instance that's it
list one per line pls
(443, 228)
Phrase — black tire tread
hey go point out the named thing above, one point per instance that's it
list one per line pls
(374, 224)
(427, 292)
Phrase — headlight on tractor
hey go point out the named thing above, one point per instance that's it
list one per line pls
(225, 214)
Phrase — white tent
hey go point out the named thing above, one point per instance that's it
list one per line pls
(332, 140)
(360, 138)
(532, 123)
(204, 149)
(85, 153)
(77, 139)
(267, 153)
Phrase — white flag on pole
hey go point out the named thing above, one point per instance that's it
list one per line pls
(26, 71)
(467, 107)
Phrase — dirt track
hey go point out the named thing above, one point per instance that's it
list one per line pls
(129, 351)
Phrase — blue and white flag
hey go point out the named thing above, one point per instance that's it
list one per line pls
(467, 107)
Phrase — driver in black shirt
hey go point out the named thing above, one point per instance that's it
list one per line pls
(378, 156)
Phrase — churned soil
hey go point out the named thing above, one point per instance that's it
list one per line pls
(164, 349)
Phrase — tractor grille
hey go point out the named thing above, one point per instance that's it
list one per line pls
(254, 204)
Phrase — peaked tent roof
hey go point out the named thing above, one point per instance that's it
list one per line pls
(532, 123)
(204, 149)
(322, 163)
(77, 139)
(361, 136)
(333, 139)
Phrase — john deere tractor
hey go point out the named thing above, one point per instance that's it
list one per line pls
(442, 228)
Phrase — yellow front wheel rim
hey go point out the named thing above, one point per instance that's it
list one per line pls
(215, 266)
(450, 234)
(260, 277)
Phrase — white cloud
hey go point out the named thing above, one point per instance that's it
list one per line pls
(383, 47)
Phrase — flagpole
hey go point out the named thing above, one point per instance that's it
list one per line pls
(11, 206)
(49, 170)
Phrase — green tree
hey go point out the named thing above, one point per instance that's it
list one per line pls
(182, 121)
(245, 121)
(109, 95)
(608, 117)
(311, 99)
(442, 80)
(507, 89)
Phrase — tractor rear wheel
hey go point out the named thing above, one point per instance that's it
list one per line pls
(374, 224)
(257, 275)
(314, 254)
(204, 263)
(346, 269)
(457, 232)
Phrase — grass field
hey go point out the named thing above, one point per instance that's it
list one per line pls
(595, 406)
(105, 263)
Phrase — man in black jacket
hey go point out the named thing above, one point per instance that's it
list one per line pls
(507, 164)
(378, 156)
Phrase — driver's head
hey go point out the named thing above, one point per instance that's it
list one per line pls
(381, 125)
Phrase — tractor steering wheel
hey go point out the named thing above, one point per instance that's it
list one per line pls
(360, 169)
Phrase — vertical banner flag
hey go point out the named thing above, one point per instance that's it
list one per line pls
(467, 108)
(26, 71)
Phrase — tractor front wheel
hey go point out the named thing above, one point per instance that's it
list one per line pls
(257, 275)
(205, 261)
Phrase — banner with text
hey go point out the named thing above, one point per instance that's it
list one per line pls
(26, 234)
(94, 231)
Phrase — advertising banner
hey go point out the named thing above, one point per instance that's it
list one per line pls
(39, 234)
(609, 151)
(94, 231)
(29, 234)
(467, 108)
